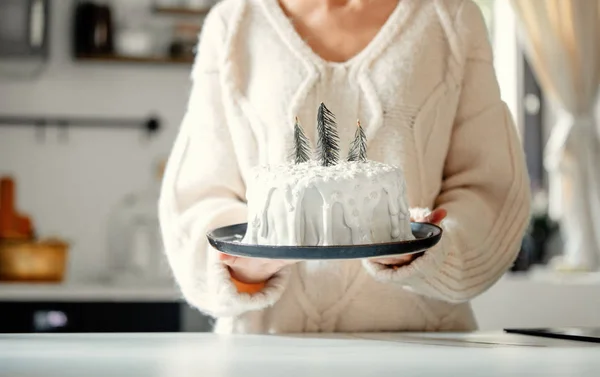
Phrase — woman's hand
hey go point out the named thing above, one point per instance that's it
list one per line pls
(257, 270)
(434, 217)
(252, 270)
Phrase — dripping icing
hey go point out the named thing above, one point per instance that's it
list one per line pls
(358, 188)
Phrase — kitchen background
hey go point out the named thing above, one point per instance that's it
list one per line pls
(93, 183)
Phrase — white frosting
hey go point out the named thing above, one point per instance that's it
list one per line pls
(350, 203)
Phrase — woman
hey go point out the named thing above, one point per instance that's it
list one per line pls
(419, 75)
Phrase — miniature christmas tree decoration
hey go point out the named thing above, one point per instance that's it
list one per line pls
(358, 148)
(328, 139)
(302, 150)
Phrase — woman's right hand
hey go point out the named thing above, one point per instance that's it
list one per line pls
(253, 270)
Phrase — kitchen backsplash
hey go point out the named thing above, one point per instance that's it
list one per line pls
(68, 186)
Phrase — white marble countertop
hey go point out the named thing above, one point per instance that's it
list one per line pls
(209, 355)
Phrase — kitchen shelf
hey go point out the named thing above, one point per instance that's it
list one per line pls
(134, 59)
(181, 11)
(150, 125)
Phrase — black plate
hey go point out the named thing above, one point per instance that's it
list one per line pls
(227, 240)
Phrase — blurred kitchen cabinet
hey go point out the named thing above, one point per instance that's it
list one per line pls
(90, 317)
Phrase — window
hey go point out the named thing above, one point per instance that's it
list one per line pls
(487, 8)
(520, 89)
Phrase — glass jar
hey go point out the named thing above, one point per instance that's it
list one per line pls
(135, 242)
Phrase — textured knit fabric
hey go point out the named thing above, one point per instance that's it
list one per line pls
(426, 93)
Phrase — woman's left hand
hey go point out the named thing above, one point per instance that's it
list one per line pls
(434, 217)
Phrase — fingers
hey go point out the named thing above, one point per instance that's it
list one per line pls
(437, 216)
(434, 217)
(395, 260)
(227, 259)
(230, 260)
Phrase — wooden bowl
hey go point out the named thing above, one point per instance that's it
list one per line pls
(33, 261)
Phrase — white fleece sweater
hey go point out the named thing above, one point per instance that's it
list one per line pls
(426, 93)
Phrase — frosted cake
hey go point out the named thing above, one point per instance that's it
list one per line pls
(325, 201)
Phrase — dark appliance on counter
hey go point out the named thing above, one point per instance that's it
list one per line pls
(93, 31)
(89, 317)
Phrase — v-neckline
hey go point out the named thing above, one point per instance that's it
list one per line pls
(382, 39)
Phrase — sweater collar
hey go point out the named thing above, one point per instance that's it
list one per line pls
(287, 32)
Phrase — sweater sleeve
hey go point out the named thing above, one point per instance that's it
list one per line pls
(203, 189)
(485, 187)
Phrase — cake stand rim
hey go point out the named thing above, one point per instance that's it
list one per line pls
(226, 245)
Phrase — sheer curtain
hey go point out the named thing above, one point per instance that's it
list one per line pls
(562, 41)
